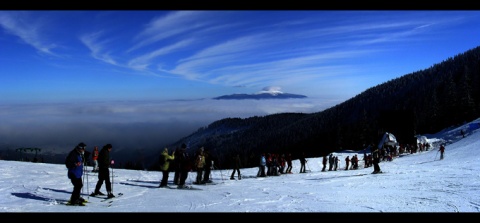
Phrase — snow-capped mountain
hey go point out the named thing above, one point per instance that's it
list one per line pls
(260, 96)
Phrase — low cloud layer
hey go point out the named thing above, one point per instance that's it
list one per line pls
(128, 125)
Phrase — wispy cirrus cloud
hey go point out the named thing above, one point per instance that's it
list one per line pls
(30, 30)
(204, 46)
(173, 24)
(144, 61)
(98, 47)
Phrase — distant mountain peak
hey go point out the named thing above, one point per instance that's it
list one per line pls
(260, 96)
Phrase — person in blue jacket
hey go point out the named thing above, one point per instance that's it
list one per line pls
(74, 162)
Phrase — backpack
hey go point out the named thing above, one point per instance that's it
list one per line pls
(68, 161)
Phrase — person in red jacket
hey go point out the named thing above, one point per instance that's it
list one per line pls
(442, 150)
(95, 159)
(347, 161)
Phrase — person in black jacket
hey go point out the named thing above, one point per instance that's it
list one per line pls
(236, 167)
(289, 163)
(103, 171)
(185, 165)
(74, 162)
(303, 161)
(376, 160)
(177, 165)
(208, 165)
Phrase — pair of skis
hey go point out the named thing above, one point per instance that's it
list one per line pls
(183, 188)
(103, 197)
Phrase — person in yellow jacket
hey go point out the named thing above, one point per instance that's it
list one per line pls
(200, 165)
(165, 166)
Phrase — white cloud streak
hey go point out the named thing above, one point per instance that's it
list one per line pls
(97, 48)
(29, 30)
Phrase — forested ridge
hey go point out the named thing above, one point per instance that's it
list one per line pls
(425, 101)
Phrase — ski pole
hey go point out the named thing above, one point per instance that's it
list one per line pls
(83, 179)
(83, 175)
(210, 176)
(217, 160)
(112, 162)
(85, 172)
(221, 174)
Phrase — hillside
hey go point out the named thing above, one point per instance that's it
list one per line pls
(446, 94)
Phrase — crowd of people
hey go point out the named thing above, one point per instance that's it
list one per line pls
(270, 164)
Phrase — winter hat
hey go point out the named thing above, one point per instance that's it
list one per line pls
(184, 146)
(108, 146)
(81, 145)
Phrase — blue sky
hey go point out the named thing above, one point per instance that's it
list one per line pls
(66, 58)
(137, 55)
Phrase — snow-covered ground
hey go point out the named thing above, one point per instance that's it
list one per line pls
(418, 182)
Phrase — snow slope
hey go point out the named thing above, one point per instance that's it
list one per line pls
(419, 183)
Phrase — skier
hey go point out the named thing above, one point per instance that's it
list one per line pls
(209, 160)
(199, 165)
(236, 167)
(261, 167)
(442, 150)
(177, 166)
(354, 162)
(331, 160)
(324, 162)
(376, 161)
(95, 159)
(289, 163)
(103, 172)
(282, 164)
(347, 161)
(303, 161)
(74, 162)
(165, 165)
(185, 166)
